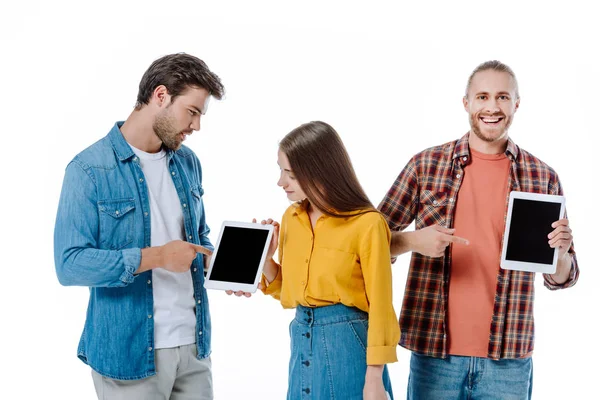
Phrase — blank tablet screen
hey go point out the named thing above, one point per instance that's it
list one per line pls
(239, 254)
(530, 224)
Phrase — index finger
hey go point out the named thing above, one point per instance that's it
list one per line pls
(563, 221)
(458, 239)
(201, 249)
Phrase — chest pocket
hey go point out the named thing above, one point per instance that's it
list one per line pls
(331, 273)
(117, 223)
(197, 193)
(433, 207)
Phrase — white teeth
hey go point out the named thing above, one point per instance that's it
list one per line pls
(487, 120)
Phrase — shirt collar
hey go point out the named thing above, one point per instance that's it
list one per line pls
(120, 145)
(461, 149)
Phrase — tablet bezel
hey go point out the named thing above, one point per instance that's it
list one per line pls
(235, 286)
(522, 265)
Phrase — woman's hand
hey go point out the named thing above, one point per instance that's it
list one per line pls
(374, 389)
(268, 263)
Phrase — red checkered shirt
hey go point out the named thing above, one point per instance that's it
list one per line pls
(426, 191)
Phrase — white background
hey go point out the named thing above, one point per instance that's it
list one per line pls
(388, 76)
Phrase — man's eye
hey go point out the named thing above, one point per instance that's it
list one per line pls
(192, 113)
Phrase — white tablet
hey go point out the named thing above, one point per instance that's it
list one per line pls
(528, 223)
(239, 256)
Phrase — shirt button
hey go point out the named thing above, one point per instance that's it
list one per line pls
(141, 180)
(146, 214)
(302, 283)
(195, 269)
(117, 212)
(306, 261)
(173, 173)
(199, 301)
(149, 315)
(457, 176)
(190, 236)
(464, 158)
(199, 333)
(135, 158)
(435, 202)
(149, 281)
(451, 200)
(184, 205)
(149, 348)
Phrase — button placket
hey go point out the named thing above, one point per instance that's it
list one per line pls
(306, 359)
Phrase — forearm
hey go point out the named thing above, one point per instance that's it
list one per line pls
(97, 268)
(402, 242)
(563, 269)
(270, 270)
(374, 372)
(152, 257)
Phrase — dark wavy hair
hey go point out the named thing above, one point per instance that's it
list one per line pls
(178, 72)
(322, 166)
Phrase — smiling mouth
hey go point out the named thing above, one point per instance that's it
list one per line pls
(491, 121)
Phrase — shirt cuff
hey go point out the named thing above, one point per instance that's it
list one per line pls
(273, 287)
(131, 259)
(379, 355)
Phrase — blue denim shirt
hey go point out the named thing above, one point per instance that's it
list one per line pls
(103, 222)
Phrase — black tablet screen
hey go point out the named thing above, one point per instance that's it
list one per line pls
(239, 254)
(530, 225)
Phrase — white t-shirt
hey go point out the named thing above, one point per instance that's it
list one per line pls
(173, 293)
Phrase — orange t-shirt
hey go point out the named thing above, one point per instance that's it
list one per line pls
(479, 217)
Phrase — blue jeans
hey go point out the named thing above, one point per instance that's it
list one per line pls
(471, 378)
(329, 356)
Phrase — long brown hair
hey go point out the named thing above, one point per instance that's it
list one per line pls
(321, 164)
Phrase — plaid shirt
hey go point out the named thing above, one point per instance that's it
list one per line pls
(426, 191)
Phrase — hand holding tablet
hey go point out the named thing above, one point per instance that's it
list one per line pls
(529, 222)
(239, 256)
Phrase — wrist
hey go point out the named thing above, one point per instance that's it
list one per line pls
(411, 240)
(374, 372)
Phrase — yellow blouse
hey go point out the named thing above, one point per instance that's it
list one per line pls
(344, 260)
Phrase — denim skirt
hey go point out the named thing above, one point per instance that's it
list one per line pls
(329, 356)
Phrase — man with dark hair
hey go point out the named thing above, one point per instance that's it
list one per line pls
(468, 323)
(130, 226)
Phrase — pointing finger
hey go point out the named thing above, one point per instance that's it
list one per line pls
(201, 249)
(459, 240)
(443, 229)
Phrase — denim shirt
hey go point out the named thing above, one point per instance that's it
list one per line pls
(103, 222)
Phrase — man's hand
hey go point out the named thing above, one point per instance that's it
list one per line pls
(433, 240)
(561, 237)
(178, 255)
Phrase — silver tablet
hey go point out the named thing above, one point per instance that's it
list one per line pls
(239, 256)
(528, 223)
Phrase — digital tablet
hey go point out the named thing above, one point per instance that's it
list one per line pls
(239, 256)
(528, 222)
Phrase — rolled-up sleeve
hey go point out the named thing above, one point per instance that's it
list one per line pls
(384, 332)
(78, 260)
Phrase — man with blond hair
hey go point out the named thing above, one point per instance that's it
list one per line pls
(468, 323)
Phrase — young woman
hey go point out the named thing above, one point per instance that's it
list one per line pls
(334, 269)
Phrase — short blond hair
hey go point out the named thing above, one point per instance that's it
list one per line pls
(494, 65)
